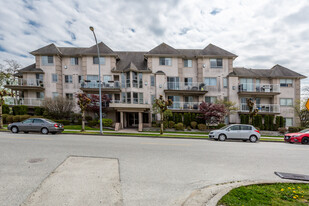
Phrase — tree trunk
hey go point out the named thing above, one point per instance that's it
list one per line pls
(1, 120)
(83, 121)
(161, 128)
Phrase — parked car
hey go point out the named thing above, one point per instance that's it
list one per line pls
(44, 126)
(236, 131)
(299, 137)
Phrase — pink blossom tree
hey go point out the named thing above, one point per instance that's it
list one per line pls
(212, 113)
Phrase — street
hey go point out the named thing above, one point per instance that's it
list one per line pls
(153, 171)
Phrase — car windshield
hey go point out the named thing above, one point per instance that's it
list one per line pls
(225, 127)
(304, 131)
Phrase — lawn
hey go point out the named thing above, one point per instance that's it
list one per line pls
(79, 127)
(178, 132)
(280, 194)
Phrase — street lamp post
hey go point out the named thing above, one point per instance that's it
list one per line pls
(100, 83)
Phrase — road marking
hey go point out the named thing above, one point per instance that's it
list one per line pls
(166, 144)
(28, 138)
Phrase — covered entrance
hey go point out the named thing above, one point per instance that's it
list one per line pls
(132, 119)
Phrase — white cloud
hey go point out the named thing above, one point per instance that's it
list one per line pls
(261, 33)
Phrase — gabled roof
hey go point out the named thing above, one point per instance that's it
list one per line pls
(71, 51)
(189, 53)
(212, 50)
(131, 60)
(104, 50)
(29, 69)
(280, 71)
(47, 50)
(163, 49)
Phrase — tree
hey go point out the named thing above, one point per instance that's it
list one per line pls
(252, 112)
(230, 107)
(7, 70)
(83, 103)
(160, 106)
(212, 113)
(94, 105)
(301, 112)
(3, 93)
(58, 108)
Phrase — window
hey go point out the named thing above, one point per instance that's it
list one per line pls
(140, 80)
(188, 99)
(145, 117)
(55, 94)
(216, 63)
(40, 95)
(134, 79)
(176, 101)
(74, 60)
(246, 84)
(188, 81)
(173, 83)
(123, 97)
(245, 127)
(211, 100)
(141, 98)
(80, 78)
(39, 77)
(286, 102)
(129, 97)
(286, 83)
(224, 82)
(54, 78)
(68, 79)
(187, 63)
(37, 121)
(128, 83)
(96, 60)
(153, 98)
(93, 77)
(210, 81)
(28, 121)
(135, 98)
(152, 81)
(165, 61)
(47, 60)
(288, 122)
(123, 80)
(107, 78)
(235, 127)
(69, 96)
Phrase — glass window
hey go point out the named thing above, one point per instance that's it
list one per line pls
(39, 76)
(40, 95)
(173, 83)
(152, 81)
(187, 63)
(107, 78)
(153, 97)
(28, 121)
(140, 80)
(165, 61)
(69, 96)
(128, 80)
(134, 79)
(288, 122)
(286, 83)
(210, 81)
(74, 60)
(245, 127)
(54, 78)
(235, 127)
(47, 60)
(96, 60)
(216, 63)
(135, 98)
(129, 97)
(286, 102)
(188, 81)
(188, 99)
(80, 78)
(123, 80)
(38, 121)
(211, 100)
(68, 78)
(93, 77)
(141, 98)
(224, 82)
(123, 97)
(55, 94)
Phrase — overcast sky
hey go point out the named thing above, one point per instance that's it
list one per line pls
(262, 33)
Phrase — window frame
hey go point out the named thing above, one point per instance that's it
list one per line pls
(152, 81)
(47, 60)
(68, 79)
(286, 82)
(54, 76)
(163, 61)
(186, 63)
(209, 79)
(286, 102)
(74, 61)
(211, 60)
(95, 60)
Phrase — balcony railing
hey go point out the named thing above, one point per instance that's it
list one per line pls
(105, 85)
(27, 82)
(266, 108)
(190, 86)
(185, 105)
(263, 88)
(24, 101)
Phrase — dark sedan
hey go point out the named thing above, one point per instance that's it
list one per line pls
(44, 126)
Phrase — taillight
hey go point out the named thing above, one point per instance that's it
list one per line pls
(257, 131)
(56, 125)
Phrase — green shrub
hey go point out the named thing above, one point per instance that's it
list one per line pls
(16, 118)
(220, 125)
(193, 125)
(189, 128)
(282, 130)
(9, 119)
(23, 110)
(38, 111)
(171, 124)
(24, 117)
(179, 126)
(5, 109)
(16, 110)
(201, 127)
(186, 119)
(63, 121)
(271, 123)
(165, 124)
(4, 116)
(193, 118)
(153, 124)
(92, 123)
(266, 122)
(242, 119)
(294, 129)
(88, 118)
(106, 122)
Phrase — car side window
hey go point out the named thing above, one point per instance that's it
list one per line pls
(27, 121)
(38, 121)
(245, 127)
(235, 127)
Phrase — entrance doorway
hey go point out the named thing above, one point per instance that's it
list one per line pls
(132, 119)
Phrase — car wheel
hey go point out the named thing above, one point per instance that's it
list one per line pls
(44, 130)
(305, 140)
(253, 138)
(14, 129)
(26, 132)
(222, 137)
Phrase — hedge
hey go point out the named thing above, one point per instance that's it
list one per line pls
(5, 109)
(201, 127)
(39, 111)
(179, 126)
(193, 125)
(20, 110)
(63, 121)
(106, 122)
(171, 124)
(92, 123)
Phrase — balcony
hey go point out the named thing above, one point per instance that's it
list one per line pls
(129, 105)
(263, 108)
(93, 87)
(259, 89)
(26, 84)
(35, 102)
(186, 88)
(185, 106)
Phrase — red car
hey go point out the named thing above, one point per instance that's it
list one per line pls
(300, 137)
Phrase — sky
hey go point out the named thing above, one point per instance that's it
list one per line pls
(262, 33)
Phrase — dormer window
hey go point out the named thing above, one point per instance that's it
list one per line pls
(47, 60)
(216, 63)
(163, 61)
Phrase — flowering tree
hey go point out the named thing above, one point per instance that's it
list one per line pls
(83, 102)
(94, 105)
(212, 113)
(3, 93)
(160, 106)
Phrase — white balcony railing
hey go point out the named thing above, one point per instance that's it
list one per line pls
(267, 108)
(191, 86)
(185, 105)
(27, 82)
(263, 88)
(105, 85)
(24, 101)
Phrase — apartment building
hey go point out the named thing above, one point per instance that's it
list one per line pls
(133, 79)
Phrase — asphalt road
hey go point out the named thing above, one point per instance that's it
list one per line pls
(153, 171)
